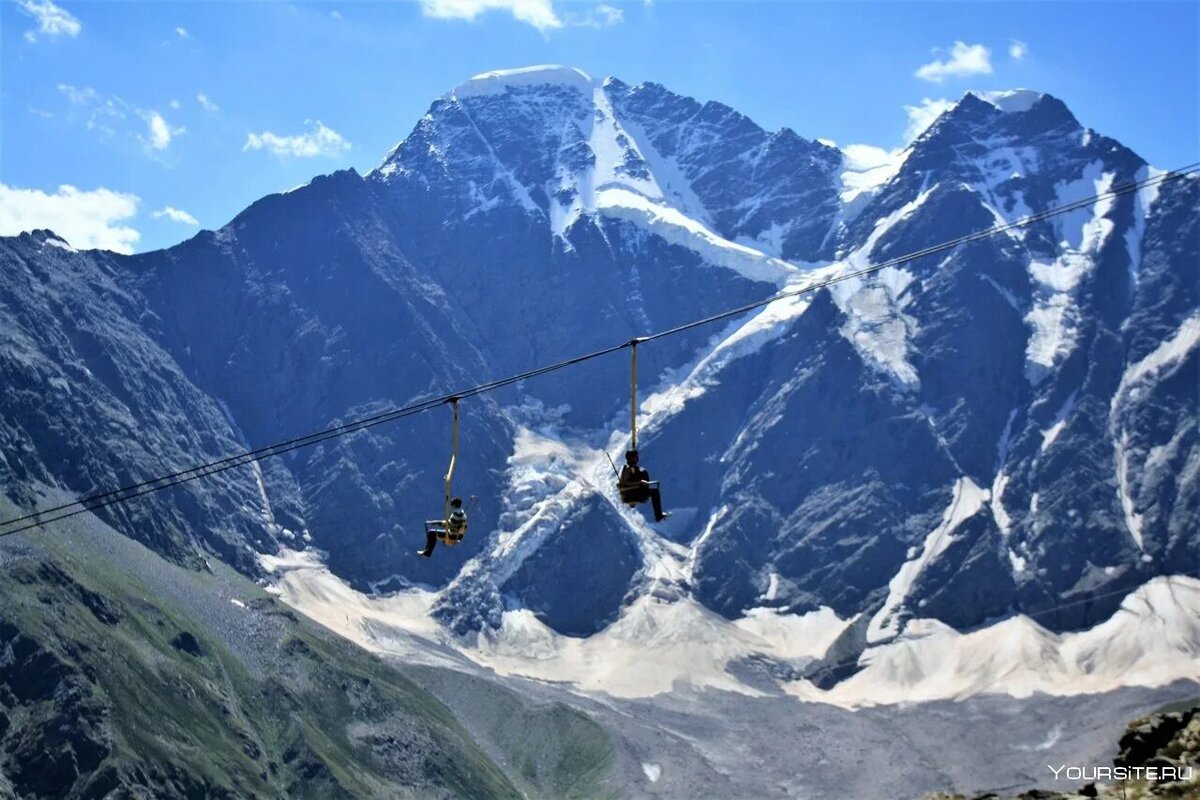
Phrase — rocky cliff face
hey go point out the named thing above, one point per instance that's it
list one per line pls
(1009, 426)
(1158, 757)
(92, 402)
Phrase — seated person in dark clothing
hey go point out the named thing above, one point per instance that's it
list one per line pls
(635, 486)
(452, 530)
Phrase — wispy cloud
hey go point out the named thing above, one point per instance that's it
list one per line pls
(1017, 49)
(107, 113)
(602, 16)
(206, 103)
(319, 141)
(86, 219)
(52, 20)
(102, 111)
(81, 96)
(159, 132)
(176, 215)
(924, 114)
(538, 13)
(964, 59)
(182, 32)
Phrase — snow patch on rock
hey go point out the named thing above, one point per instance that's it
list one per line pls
(1159, 362)
(675, 227)
(1055, 316)
(968, 499)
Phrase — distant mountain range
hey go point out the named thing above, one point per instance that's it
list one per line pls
(1006, 428)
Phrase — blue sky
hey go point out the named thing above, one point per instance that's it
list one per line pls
(169, 115)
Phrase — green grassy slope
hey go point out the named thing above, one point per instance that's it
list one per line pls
(548, 749)
(120, 672)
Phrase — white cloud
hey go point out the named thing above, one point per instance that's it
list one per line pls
(922, 116)
(86, 219)
(538, 13)
(965, 59)
(868, 167)
(320, 141)
(205, 103)
(862, 157)
(1017, 49)
(159, 132)
(174, 104)
(176, 215)
(182, 32)
(336, 14)
(52, 20)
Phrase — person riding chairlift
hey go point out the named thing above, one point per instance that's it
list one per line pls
(635, 486)
(450, 530)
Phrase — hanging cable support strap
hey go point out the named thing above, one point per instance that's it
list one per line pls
(449, 486)
(104, 499)
(633, 343)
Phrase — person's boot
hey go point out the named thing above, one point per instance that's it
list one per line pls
(662, 516)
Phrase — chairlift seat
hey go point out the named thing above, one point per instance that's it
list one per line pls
(634, 494)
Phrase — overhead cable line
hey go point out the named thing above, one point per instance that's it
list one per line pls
(101, 500)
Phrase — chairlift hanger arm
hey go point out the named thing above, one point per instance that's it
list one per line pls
(633, 343)
(449, 483)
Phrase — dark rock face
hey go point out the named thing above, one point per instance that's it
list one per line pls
(770, 187)
(61, 733)
(91, 402)
(593, 555)
(186, 642)
(1017, 415)
(1172, 737)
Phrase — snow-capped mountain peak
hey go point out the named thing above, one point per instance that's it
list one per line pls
(1012, 100)
(502, 80)
(564, 148)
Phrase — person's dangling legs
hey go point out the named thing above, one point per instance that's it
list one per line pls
(430, 541)
(656, 502)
